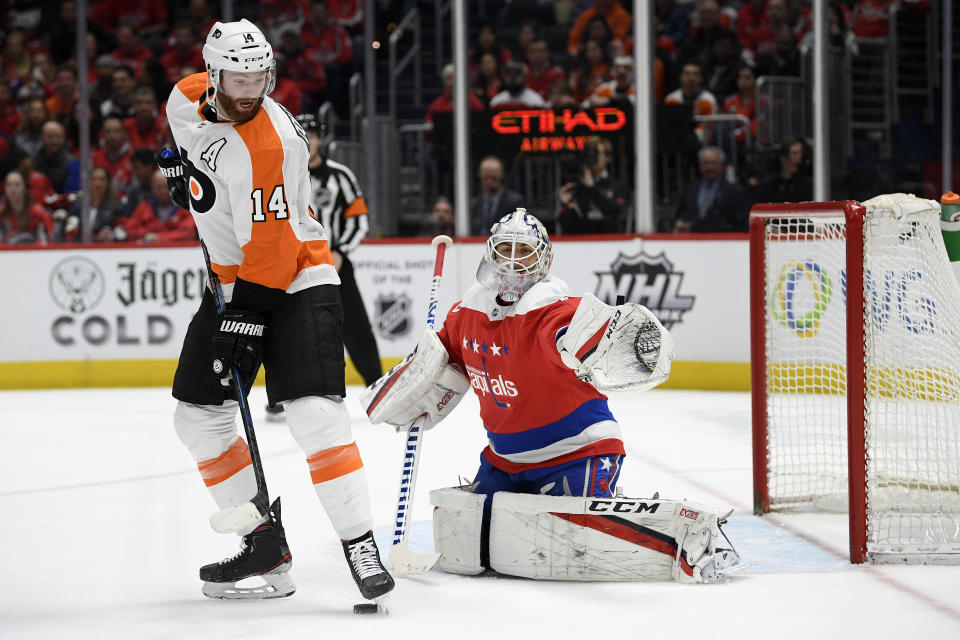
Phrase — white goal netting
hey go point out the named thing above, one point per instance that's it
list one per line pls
(910, 375)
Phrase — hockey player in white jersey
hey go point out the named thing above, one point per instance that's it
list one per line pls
(242, 172)
(539, 361)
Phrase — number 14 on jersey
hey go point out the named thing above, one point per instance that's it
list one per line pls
(277, 204)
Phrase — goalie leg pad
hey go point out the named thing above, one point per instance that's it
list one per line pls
(457, 526)
(609, 539)
(423, 384)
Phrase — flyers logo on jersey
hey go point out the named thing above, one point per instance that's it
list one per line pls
(202, 191)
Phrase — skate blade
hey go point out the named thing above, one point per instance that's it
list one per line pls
(737, 568)
(275, 585)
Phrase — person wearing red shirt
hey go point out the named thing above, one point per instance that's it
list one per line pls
(288, 93)
(764, 39)
(869, 18)
(542, 74)
(39, 185)
(22, 221)
(114, 156)
(159, 219)
(130, 51)
(347, 13)
(444, 102)
(752, 16)
(744, 101)
(185, 52)
(328, 40)
(305, 71)
(146, 17)
(146, 128)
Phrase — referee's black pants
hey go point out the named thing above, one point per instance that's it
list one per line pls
(358, 337)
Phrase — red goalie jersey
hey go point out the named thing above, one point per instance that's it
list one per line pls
(535, 410)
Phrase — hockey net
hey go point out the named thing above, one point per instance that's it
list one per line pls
(835, 283)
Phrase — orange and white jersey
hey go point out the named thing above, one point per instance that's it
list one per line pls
(250, 193)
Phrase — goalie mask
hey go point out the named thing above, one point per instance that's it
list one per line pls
(242, 48)
(517, 256)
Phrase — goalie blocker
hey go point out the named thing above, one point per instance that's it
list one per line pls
(577, 538)
(422, 384)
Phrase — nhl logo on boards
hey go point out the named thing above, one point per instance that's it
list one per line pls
(77, 284)
(648, 280)
(393, 317)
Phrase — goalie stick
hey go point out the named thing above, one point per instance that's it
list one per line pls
(236, 518)
(402, 559)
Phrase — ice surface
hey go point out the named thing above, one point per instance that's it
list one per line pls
(106, 526)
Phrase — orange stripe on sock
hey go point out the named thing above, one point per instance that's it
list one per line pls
(334, 462)
(216, 470)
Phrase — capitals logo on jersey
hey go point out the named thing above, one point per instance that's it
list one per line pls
(497, 386)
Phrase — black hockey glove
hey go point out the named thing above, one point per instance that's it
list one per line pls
(238, 339)
(172, 169)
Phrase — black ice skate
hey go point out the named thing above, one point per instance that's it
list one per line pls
(264, 553)
(368, 572)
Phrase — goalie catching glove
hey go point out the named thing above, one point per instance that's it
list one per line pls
(423, 384)
(621, 348)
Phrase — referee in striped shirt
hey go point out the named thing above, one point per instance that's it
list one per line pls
(338, 203)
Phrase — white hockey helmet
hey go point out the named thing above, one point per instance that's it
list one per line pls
(238, 46)
(517, 256)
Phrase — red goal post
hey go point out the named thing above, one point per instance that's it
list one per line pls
(834, 283)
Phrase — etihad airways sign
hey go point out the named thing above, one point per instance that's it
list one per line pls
(545, 130)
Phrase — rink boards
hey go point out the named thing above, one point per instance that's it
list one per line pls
(116, 316)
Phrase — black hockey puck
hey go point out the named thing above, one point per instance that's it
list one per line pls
(366, 607)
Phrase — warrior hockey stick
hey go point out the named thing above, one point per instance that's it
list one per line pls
(249, 513)
(402, 559)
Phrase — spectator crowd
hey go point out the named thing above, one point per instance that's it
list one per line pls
(136, 52)
(525, 53)
(708, 57)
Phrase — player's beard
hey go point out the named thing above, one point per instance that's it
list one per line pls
(230, 108)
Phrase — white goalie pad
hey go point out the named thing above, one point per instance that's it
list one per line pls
(621, 348)
(423, 384)
(612, 539)
(457, 522)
